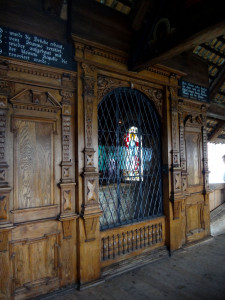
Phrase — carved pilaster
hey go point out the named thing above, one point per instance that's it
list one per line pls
(67, 186)
(177, 182)
(90, 207)
(205, 160)
(5, 90)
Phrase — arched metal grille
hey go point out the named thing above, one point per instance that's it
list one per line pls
(129, 152)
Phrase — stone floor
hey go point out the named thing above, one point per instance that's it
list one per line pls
(196, 272)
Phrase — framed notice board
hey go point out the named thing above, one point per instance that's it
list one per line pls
(35, 49)
(193, 91)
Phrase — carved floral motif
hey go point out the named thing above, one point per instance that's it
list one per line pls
(156, 96)
(107, 84)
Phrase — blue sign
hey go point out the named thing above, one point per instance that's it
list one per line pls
(35, 49)
(193, 91)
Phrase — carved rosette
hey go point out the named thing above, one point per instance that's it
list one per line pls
(90, 208)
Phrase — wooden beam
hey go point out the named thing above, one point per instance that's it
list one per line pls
(216, 111)
(217, 131)
(206, 61)
(188, 44)
(217, 83)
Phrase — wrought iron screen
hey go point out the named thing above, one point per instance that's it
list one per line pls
(129, 152)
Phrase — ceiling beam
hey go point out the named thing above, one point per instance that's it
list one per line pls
(217, 131)
(189, 43)
(206, 61)
(217, 83)
(216, 111)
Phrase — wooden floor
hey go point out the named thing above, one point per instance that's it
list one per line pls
(196, 272)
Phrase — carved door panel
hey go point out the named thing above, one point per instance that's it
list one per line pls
(35, 263)
(193, 156)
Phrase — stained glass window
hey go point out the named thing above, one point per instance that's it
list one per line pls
(129, 152)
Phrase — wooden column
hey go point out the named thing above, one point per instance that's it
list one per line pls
(90, 210)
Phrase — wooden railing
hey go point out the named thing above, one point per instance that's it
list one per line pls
(130, 240)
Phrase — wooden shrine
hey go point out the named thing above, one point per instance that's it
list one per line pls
(50, 236)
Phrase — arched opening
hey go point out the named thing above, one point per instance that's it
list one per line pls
(129, 152)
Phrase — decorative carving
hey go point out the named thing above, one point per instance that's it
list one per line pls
(66, 136)
(66, 139)
(176, 158)
(107, 84)
(2, 174)
(89, 160)
(183, 165)
(88, 120)
(6, 88)
(193, 121)
(88, 94)
(4, 67)
(174, 130)
(90, 224)
(35, 100)
(67, 226)
(126, 242)
(89, 70)
(184, 184)
(156, 96)
(66, 172)
(3, 102)
(176, 209)
(177, 181)
(91, 196)
(4, 205)
(2, 133)
(68, 81)
(158, 71)
(34, 71)
(91, 189)
(89, 86)
(67, 199)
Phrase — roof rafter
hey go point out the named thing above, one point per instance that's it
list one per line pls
(216, 52)
(217, 83)
(217, 131)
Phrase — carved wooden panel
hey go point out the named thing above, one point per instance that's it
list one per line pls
(35, 262)
(193, 153)
(33, 162)
(194, 216)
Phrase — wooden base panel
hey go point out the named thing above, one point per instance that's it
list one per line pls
(134, 262)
